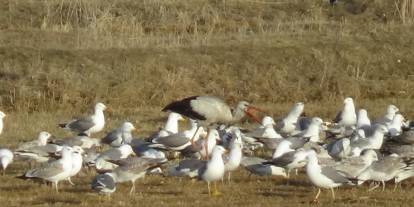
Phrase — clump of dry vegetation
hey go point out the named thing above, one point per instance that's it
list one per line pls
(58, 57)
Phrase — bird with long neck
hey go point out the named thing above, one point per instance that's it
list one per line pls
(210, 110)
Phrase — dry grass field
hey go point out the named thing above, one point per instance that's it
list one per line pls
(59, 57)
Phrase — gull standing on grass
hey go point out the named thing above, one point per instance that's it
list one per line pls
(323, 177)
(77, 162)
(214, 169)
(133, 168)
(382, 170)
(54, 171)
(87, 125)
(235, 155)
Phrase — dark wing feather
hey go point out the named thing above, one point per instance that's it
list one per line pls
(102, 182)
(334, 175)
(110, 137)
(283, 160)
(191, 164)
(338, 117)
(174, 140)
(81, 125)
(183, 107)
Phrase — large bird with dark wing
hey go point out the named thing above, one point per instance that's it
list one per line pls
(211, 110)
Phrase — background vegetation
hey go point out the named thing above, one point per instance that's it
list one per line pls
(58, 57)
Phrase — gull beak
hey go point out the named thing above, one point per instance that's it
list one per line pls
(184, 120)
(250, 112)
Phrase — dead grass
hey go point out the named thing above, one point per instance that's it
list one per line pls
(160, 191)
(58, 57)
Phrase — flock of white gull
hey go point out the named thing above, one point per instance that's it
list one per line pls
(350, 150)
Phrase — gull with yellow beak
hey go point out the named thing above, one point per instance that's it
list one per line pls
(214, 169)
(87, 125)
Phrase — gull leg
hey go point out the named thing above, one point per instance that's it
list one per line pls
(333, 193)
(132, 188)
(216, 192)
(70, 181)
(56, 186)
(208, 187)
(288, 177)
(396, 186)
(383, 185)
(229, 177)
(296, 172)
(315, 200)
(374, 187)
(206, 144)
(195, 133)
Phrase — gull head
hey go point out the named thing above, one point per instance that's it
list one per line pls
(100, 106)
(392, 109)
(348, 100)
(382, 129)
(176, 116)
(317, 121)
(268, 121)
(298, 107)
(362, 112)
(127, 127)
(370, 154)
(214, 134)
(44, 137)
(78, 150)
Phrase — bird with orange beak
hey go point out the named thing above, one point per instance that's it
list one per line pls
(210, 110)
